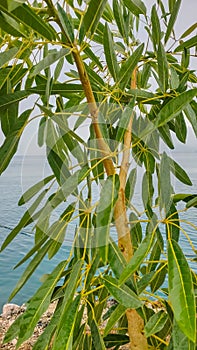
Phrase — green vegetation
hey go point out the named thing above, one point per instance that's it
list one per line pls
(86, 68)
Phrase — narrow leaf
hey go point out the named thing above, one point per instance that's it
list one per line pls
(187, 44)
(110, 53)
(65, 21)
(125, 118)
(181, 291)
(172, 19)
(30, 268)
(120, 19)
(96, 336)
(93, 15)
(179, 172)
(9, 99)
(9, 147)
(136, 7)
(123, 294)
(162, 67)
(115, 316)
(127, 68)
(27, 16)
(155, 323)
(189, 30)
(137, 258)
(7, 55)
(39, 303)
(174, 107)
(108, 197)
(34, 190)
(165, 183)
(51, 58)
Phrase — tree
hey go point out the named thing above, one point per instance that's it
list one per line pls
(84, 62)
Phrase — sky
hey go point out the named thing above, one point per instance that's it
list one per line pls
(187, 16)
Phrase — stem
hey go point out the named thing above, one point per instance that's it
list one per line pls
(138, 340)
(94, 110)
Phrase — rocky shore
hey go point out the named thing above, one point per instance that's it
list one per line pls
(11, 312)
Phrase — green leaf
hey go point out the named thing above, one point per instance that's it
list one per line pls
(123, 294)
(44, 339)
(39, 303)
(192, 117)
(159, 277)
(187, 44)
(126, 117)
(9, 147)
(93, 57)
(189, 30)
(108, 197)
(115, 316)
(120, 20)
(65, 328)
(24, 221)
(51, 58)
(34, 190)
(130, 185)
(13, 330)
(172, 225)
(96, 336)
(147, 189)
(116, 259)
(162, 67)
(57, 230)
(172, 19)
(10, 26)
(179, 172)
(94, 78)
(31, 268)
(137, 258)
(9, 115)
(180, 128)
(7, 55)
(93, 15)
(24, 14)
(14, 97)
(192, 203)
(128, 67)
(110, 53)
(64, 339)
(58, 166)
(64, 89)
(165, 183)
(174, 107)
(142, 96)
(181, 291)
(179, 340)
(156, 29)
(155, 323)
(117, 340)
(136, 7)
(66, 24)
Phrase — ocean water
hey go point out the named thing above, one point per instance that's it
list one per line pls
(24, 172)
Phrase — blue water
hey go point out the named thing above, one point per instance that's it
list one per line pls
(24, 172)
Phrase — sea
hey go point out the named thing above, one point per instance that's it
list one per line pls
(23, 172)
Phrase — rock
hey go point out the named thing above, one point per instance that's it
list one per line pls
(9, 310)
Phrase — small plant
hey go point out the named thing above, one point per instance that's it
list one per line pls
(107, 101)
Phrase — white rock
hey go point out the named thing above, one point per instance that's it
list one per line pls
(10, 309)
